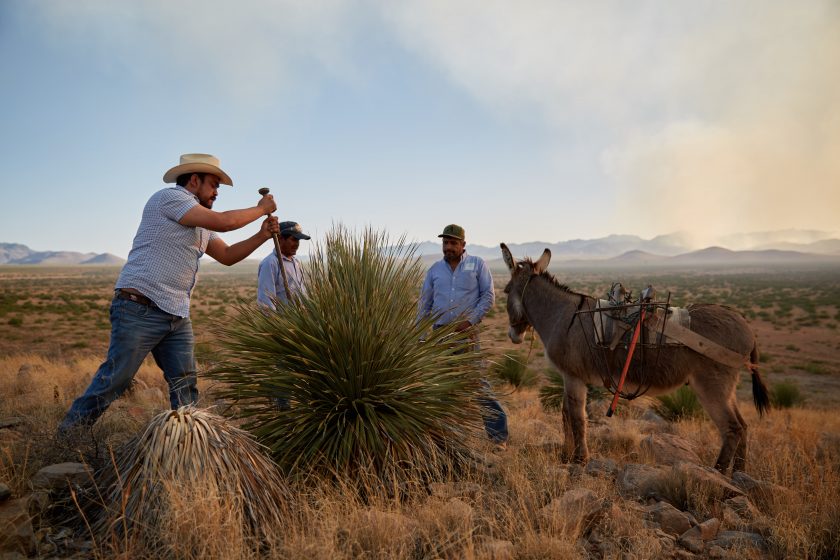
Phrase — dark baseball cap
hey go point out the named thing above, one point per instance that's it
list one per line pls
(293, 229)
(453, 230)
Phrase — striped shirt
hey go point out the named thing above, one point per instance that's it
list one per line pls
(467, 291)
(270, 282)
(163, 262)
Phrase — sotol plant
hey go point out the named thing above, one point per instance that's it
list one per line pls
(369, 392)
(184, 455)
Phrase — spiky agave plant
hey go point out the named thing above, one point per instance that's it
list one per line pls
(370, 391)
(183, 455)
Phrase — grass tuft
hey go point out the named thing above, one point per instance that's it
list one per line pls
(682, 404)
(513, 369)
(786, 394)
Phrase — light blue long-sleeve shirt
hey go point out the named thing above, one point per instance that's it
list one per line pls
(270, 282)
(467, 290)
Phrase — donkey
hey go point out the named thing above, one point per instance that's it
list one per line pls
(535, 298)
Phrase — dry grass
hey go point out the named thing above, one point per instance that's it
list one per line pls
(797, 449)
(503, 502)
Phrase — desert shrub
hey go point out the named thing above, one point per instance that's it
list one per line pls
(786, 394)
(189, 484)
(513, 369)
(367, 390)
(551, 394)
(679, 405)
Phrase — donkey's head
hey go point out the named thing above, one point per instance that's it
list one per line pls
(521, 273)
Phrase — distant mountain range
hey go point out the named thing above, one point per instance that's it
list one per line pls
(15, 253)
(757, 246)
(800, 246)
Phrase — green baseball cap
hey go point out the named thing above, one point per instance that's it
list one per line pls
(453, 230)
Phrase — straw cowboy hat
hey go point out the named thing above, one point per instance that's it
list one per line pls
(197, 163)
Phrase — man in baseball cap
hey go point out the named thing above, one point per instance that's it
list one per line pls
(460, 288)
(271, 284)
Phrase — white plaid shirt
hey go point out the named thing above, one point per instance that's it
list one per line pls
(163, 262)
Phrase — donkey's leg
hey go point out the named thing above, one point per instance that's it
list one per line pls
(740, 460)
(717, 395)
(574, 419)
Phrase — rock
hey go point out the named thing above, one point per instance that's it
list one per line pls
(16, 534)
(11, 422)
(5, 492)
(715, 551)
(576, 510)
(761, 492)
(707, 477)
(743, 507)
(731, 519)
(652, 417)
(732, 539)
(493, 549)
(39, 501)
(638, 481)
(670, 519)
(709, 528)
(601, 467)
(59, 475)
(694, 539)
(667, 449)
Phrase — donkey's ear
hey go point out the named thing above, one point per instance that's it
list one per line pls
(509, 260)
(542, 264)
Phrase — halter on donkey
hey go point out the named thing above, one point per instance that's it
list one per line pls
(535, 298)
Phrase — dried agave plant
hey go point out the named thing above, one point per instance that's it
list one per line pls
(184, 457)
(371, 393)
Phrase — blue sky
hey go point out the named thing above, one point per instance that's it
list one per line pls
(522, 121)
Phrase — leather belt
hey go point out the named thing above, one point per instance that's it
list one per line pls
(136, 298)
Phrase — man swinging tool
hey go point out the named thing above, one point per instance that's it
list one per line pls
(276, 282)
(150, 312)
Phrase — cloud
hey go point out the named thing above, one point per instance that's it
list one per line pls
(250, 50)
(715, 116)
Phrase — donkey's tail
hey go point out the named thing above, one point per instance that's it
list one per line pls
(761, 396)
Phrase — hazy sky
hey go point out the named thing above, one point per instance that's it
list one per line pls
(522, 121)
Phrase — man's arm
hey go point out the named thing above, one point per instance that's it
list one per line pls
(267, 283)
(199, 216)
(486, 294)
(232, 254)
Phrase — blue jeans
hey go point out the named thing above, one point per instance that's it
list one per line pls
(495, 419)
(136, 330)
(492, 413)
